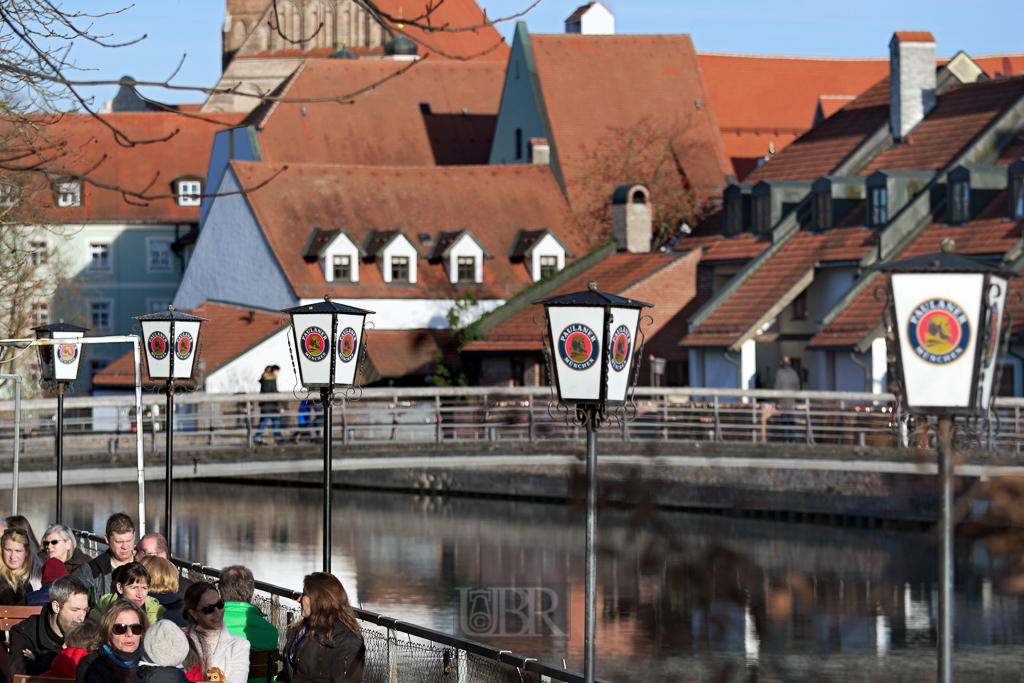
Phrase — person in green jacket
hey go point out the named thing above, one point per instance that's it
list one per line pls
(241, 617)
(131, 582)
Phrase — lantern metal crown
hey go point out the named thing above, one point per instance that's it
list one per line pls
(591, 344)
(946, 314)
(169, 338)
(59, 362)
(328, 338)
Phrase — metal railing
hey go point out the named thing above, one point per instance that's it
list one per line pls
(389, 659)
(485, 414)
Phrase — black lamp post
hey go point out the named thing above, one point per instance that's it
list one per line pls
(58, 364)
(330, 341)
(591, 345)
(946, 315)
(170, 342)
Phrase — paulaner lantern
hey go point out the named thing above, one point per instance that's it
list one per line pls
(329, 340)
(591, 347)
(170, 340)
(58, 364)
(946, 317)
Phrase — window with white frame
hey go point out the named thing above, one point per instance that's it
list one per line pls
(39, 252)
(548, 265)
(40, 314)
(99, 315)
(159, 255)
(190, 192)
(69, 193)
(342, 268)
(467, 269)
(399, 268)
(9, 194)
(99, 256)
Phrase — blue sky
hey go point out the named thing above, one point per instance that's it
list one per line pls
(191, 28)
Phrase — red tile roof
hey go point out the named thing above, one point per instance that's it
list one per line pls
(596, 85)
(229, 333)
(616, 274)
(492, 202)
(915, 36)
(999, 66)
(959, 116)
(760, 99)
(987, 234)
(708, 235)
(384, 126)
(821, 150)
(400, 353)
(776, 277)
(180, 147)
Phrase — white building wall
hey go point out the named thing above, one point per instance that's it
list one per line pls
(242, 375)
(411, 314)
(597, 21)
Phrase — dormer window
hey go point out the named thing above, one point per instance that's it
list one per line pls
(1017, 212)
(342, 267)
(467, 269)
(822, 211)
(732, 216)
(878, 207)
(762, 214)
(960, 202)
(189, 192)
(399, 268)
(69, 193)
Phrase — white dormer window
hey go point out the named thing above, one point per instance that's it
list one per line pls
(190, 192)
(465, 260)
(545, 258)
(399, 260)
(340, 260)
(69, 193)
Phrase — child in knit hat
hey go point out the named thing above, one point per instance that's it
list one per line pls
(77, 642)
(164, 648)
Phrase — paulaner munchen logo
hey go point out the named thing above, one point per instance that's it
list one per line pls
(512, 611)
(314, 344)
(577, 346)
(347, 345)
(939, 331)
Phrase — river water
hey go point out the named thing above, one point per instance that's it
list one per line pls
(682, 597)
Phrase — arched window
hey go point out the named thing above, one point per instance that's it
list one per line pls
(639, 197)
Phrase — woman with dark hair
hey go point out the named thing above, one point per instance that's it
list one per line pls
(115, 652)
(212, 646)
(130, 582)
(326, 645)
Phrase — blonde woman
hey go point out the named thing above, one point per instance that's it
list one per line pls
(19, 569)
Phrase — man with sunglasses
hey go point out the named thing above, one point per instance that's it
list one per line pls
(38, 639)
(120, 537)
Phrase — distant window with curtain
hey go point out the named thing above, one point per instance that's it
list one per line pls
(823, 210)
(878, 215)
(732, 217)
(762, 214)
(960, 202)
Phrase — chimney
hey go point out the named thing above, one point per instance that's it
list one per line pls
(592, 19)
(911, 80)
(540, 151)
(631, 218)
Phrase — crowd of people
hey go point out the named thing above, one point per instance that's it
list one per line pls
(127, 616)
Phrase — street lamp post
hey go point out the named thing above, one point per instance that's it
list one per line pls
(591, 347)
(58, 365)
(945, 315)
(170, 339)
(329, 339)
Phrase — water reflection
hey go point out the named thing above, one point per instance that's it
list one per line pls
(681, 596)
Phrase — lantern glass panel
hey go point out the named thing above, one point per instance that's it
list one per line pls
(350, 336)
(620, 360)
(995, 301)
(156, 338)
(577, 334)
(186, 341)
(938, 320)
(67, 357)
(312, 334)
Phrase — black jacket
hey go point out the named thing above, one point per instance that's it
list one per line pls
(313, 662)
(96, 574)
(97, 668)
(268, 385)
(77, 561)
(173, 606)
(160, 674)
(37, 636)
(9, 596)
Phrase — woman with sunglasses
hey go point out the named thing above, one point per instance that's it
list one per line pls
(212, 645)
(115, 652)
(19, 569)
(22, 523)
(59, 541)
(326, 645)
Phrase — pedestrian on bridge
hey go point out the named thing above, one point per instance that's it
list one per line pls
(270, 411)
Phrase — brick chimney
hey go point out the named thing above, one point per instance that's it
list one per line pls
(911, 80)
(631, 218)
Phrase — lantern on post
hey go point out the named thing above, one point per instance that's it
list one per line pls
(591, 346)
(946, 314)
(170, 339)
(329, 340)
(58, 365)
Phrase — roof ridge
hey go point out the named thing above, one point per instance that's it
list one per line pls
(701, 53)
(313, 164)
(282, 91)
(241, 307)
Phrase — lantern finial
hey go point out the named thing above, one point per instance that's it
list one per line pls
(170, 308)
(327, 298)
(60, 320)
(948, 245)
(592, 285)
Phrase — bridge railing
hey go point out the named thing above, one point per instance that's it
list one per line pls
(485, 414)
(392, 654)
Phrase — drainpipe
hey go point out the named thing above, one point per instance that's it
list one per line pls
(739, 369)
(867, 372)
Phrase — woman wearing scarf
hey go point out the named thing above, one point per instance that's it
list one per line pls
(326, 646)
(115, 652)
(212, 646)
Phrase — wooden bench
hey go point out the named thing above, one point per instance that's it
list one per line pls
(25, 678)
(264, 664)
(15, 614)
